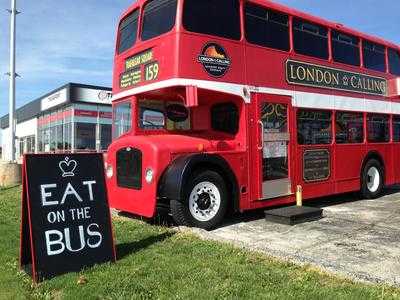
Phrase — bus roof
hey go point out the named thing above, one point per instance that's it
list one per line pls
(297, 13)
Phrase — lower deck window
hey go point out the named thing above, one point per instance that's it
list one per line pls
(396, 128)
(314, 127)
(163, 115)
(225, 118)
(349, 128)
(378, 128)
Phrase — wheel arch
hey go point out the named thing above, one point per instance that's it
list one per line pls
(377, 156)
(174, 179)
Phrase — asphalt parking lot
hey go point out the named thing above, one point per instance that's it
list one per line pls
(357, 239)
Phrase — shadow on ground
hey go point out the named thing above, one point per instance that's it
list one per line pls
(127, 249)
(164, 219)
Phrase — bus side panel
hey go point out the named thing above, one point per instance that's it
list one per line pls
(348, 160)
(239, 165)
(396, 161)
(318, 188)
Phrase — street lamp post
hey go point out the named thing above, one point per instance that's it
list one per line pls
(10, 173)
(11, 117)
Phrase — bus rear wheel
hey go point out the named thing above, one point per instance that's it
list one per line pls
(205, 202)
(372, 179)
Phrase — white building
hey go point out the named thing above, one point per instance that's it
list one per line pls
(74, 117)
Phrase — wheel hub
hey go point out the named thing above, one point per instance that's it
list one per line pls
(373, 179)
(204, 201)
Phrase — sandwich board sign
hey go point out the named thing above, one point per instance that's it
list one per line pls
(66, 223)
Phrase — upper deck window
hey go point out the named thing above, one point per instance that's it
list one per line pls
(158, 18)
(214, 17)
(394, 62)
(345, 48)
(267, 28)
(310, 39)
(128, 31)
(374, 56)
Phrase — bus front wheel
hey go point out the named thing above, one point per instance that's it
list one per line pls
(372, 179)
(205, 201)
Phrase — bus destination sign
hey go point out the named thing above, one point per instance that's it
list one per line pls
(133, 69)
(306, 74)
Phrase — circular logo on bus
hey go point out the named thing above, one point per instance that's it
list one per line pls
(214, 60)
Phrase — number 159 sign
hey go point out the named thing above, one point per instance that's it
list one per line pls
(66, 223)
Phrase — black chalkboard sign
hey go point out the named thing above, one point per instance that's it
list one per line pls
(66, 224)
(316, 165)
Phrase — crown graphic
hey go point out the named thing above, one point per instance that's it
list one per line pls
(345, 80)
(67, 167)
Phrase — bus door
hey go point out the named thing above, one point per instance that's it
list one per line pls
(274, 146)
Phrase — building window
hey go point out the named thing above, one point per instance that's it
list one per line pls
(349, 128)
(394, 62)
(59, 129)
(310, 39)
(85, 136)
(53, 138)
(374, 56)
(30, 144)
(21, 146)
(128, 31)
(396, 128)
(105, 136)
(225, 118)
(378, 128)
(314, 127)
(67, 137)
(158, 18)
(267, 28)
(219, 18)
(345, 48)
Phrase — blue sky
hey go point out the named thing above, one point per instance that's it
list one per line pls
(73, 41)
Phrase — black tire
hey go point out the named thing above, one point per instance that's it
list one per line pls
(180, 209)
(374, 191)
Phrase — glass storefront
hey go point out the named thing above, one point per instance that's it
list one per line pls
(76, 127)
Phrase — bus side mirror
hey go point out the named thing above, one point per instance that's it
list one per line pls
(191, 96)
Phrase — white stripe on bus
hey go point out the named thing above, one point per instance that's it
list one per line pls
(299, 99)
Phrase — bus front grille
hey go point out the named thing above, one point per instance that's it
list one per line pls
(129, 168)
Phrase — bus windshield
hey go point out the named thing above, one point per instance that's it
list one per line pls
(214, 17)
(163, 115)
(158, 18)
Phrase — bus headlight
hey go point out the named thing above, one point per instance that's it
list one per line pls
(109, 171)
(149, 175)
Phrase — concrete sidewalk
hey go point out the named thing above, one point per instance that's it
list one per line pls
(356, 239)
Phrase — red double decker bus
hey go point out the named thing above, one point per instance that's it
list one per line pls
(229, 105)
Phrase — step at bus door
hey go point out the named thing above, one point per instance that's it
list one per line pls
(274, 146)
